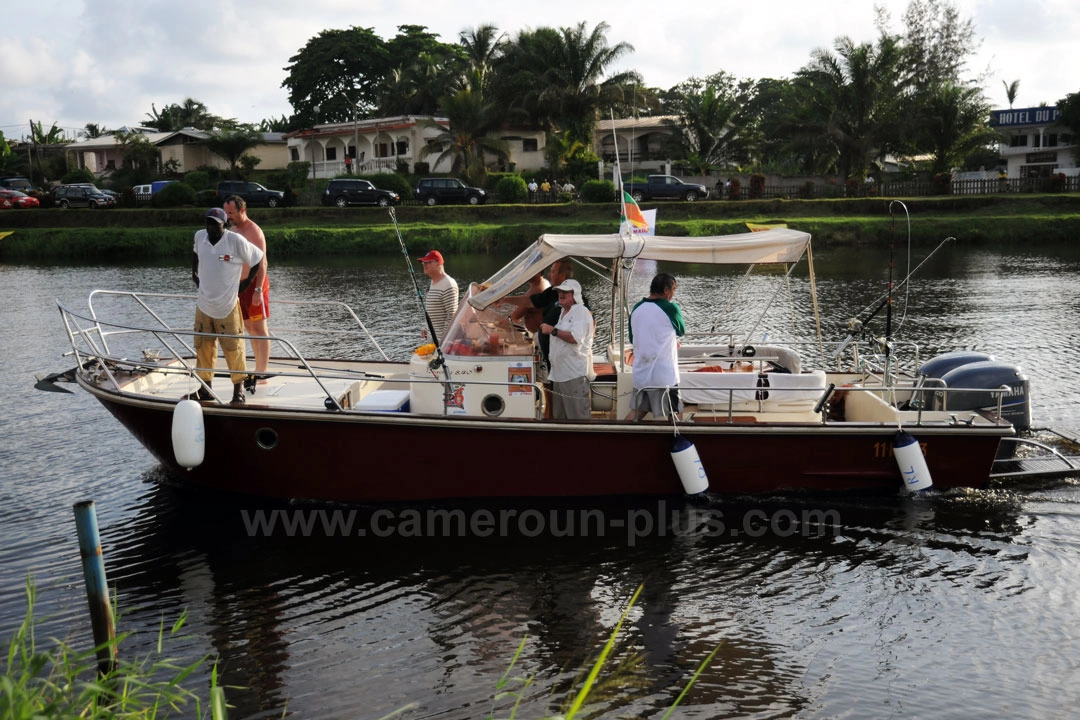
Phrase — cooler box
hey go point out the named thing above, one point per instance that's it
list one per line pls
(384, 401)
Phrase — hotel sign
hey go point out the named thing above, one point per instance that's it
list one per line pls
(1042, 157)
(1027, 116)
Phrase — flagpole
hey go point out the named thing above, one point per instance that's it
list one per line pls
(624, 225)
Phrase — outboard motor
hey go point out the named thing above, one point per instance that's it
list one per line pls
(984, 377)
(937, 367)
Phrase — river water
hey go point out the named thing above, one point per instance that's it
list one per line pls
(947, 606)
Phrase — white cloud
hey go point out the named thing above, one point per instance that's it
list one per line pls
(106, 62)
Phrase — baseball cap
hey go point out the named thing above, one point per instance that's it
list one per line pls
(218, 215)
(433, 256)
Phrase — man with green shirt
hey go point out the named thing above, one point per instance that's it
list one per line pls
(656, 323)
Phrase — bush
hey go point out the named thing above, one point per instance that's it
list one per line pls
(206, 198)
(757, 186)
(598, 191)
(197, 180)
(1057, 182)
(81, 175)
(174, 195)
(943, 183)
(511, 189)
(390, 181)
(421, 168)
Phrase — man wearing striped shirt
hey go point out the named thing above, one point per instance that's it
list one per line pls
(442, 298)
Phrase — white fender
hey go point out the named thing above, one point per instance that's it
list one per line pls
(688, 465)
(912, 464)
(188, 434)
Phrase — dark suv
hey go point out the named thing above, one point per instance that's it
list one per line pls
(342, 192)
(253, 193)
(82, 195)
(433, 191)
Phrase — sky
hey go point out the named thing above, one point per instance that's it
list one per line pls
(106, 62)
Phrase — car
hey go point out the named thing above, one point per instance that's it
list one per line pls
(253, 193)
(13, 199)
(433, 191)
(82, 195)
(16, 182)
(343, 192)
(144, 194)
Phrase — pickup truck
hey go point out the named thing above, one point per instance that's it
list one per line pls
(665, 187)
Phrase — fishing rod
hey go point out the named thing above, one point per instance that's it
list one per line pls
(439, 360)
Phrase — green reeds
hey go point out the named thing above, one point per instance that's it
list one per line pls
(593, 683)
(62, 682)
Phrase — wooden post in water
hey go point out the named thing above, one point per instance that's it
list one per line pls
(97, 591)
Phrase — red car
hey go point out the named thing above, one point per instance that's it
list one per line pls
(11, 199)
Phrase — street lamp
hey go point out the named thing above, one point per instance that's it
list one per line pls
(314, 167)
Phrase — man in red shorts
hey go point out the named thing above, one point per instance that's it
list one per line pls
(255, 300)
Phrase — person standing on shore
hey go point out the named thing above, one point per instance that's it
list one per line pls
(255, 299)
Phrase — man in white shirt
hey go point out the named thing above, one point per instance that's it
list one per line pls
(656, 324)
(441, 302)
(217, 264)
(571, 355)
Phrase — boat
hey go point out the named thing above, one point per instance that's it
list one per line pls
(468, 419)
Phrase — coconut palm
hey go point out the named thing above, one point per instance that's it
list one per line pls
(1011, 90)
(573, 72)
(854, 102)
(954, 122)
(483, 46)
(465, 143)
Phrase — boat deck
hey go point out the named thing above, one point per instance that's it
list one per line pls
(289, 385)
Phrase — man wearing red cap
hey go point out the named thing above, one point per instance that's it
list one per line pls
(216, 267)
(442, 298)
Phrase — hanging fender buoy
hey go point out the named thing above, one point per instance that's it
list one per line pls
(688, 465)
(188, 434)
(912, 463)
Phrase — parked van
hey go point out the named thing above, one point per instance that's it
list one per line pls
(144, 193)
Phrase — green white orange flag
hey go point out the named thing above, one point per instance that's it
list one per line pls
(632, 217)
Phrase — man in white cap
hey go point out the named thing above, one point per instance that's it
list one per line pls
(442, 298)
(216, 267)
(570, 349)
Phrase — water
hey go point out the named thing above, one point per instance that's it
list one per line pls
(943, 607)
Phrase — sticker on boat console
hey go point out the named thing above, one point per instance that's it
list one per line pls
(520, 377)
(455, 399)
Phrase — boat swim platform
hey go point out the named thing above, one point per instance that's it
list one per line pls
(1048, 464)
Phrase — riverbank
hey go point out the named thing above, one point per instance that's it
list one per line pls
(129, 234)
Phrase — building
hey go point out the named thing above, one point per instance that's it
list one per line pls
(380, 144)
(187, 147)
(638, 142)
(1033, 144)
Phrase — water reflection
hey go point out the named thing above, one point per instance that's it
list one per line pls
(292, 617)
(928, 600)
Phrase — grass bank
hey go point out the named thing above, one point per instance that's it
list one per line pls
(294, 232)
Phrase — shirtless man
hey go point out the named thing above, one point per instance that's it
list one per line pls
(255, 300)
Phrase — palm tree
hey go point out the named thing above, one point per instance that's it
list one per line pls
(1011, 90)
(231, 145)
(465, 142)
(854, 103)
(93, 130)
(557, 77)
(708, 130)
(573, 75)
(483, 46)
(954, 124)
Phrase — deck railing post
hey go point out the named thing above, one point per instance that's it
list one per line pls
(97, 591)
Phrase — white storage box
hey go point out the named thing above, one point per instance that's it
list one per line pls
(384, 401)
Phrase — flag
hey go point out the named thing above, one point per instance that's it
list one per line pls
(632, 217)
